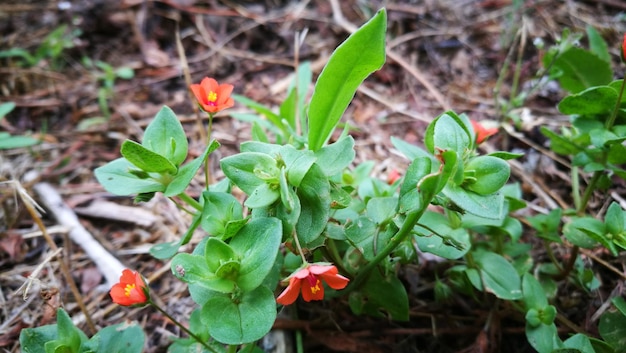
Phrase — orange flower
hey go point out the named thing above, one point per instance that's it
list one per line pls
(131, 289)
(481, 132)
(213, 97)
(393, 176)
(309, 280)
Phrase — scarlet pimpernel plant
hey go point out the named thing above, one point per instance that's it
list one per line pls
(314, 221)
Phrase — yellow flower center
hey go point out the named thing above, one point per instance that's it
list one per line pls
(212, 97)
(129, 287)
(316, 288)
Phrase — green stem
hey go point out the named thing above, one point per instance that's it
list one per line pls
(576, 187)
(295, 238)
(330, 251)
(609, 123)
(191, 334)
(401, 235)
(232, 348)
(190, 201)
(591, 187)
(207, 164)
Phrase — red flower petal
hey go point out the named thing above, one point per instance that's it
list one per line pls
(130, 290)
(290, 294)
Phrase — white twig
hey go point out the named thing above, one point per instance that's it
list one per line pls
(110, 266)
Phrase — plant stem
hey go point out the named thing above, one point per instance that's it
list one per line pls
(295, 238)
(191, 334)
(190, 201)
(609, 123)
(576, 187)
(207, 164)
(591, 187)
(401, 235)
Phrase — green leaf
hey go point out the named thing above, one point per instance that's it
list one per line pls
(7, 141)
(355, 59)
(506, 155)
(543, 338)
(218, 252)
(362, 233)
(69, 334)
(264, 195)
(120, 338)
(297, 162)
(581, 69)
(314, 194)
(125, 73)
(33, 340)
(486, 206)
(246, 169)
(410, 195)
(448, 242)
(547, 225)
(498, 275)
(614, 219)
(193, 269)
(560, 144)
(244, 320)
(336, 157)
(256, 244)
(448, 132)
(577, 343)
(288, 109)
(586, 231)
(274, 118)
(489, 174)
(165, 136)
(120, 177)
(187, 172)
(145, 159)
(6, 108)
(382, 209)
(620, 304)
(534, 296)
(591, 101)
(381, 295)
(410, 151)
(220, 210)
(597, 44)
(612, 328)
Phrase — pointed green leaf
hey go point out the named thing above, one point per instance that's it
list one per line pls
(120, 177)
(166, 136)
(187, 172)
(145, 159)
(597, 44)
(355, 59)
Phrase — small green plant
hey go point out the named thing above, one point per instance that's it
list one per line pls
(51, 48)
(64, 336)
(105, 75)
(6, 140)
